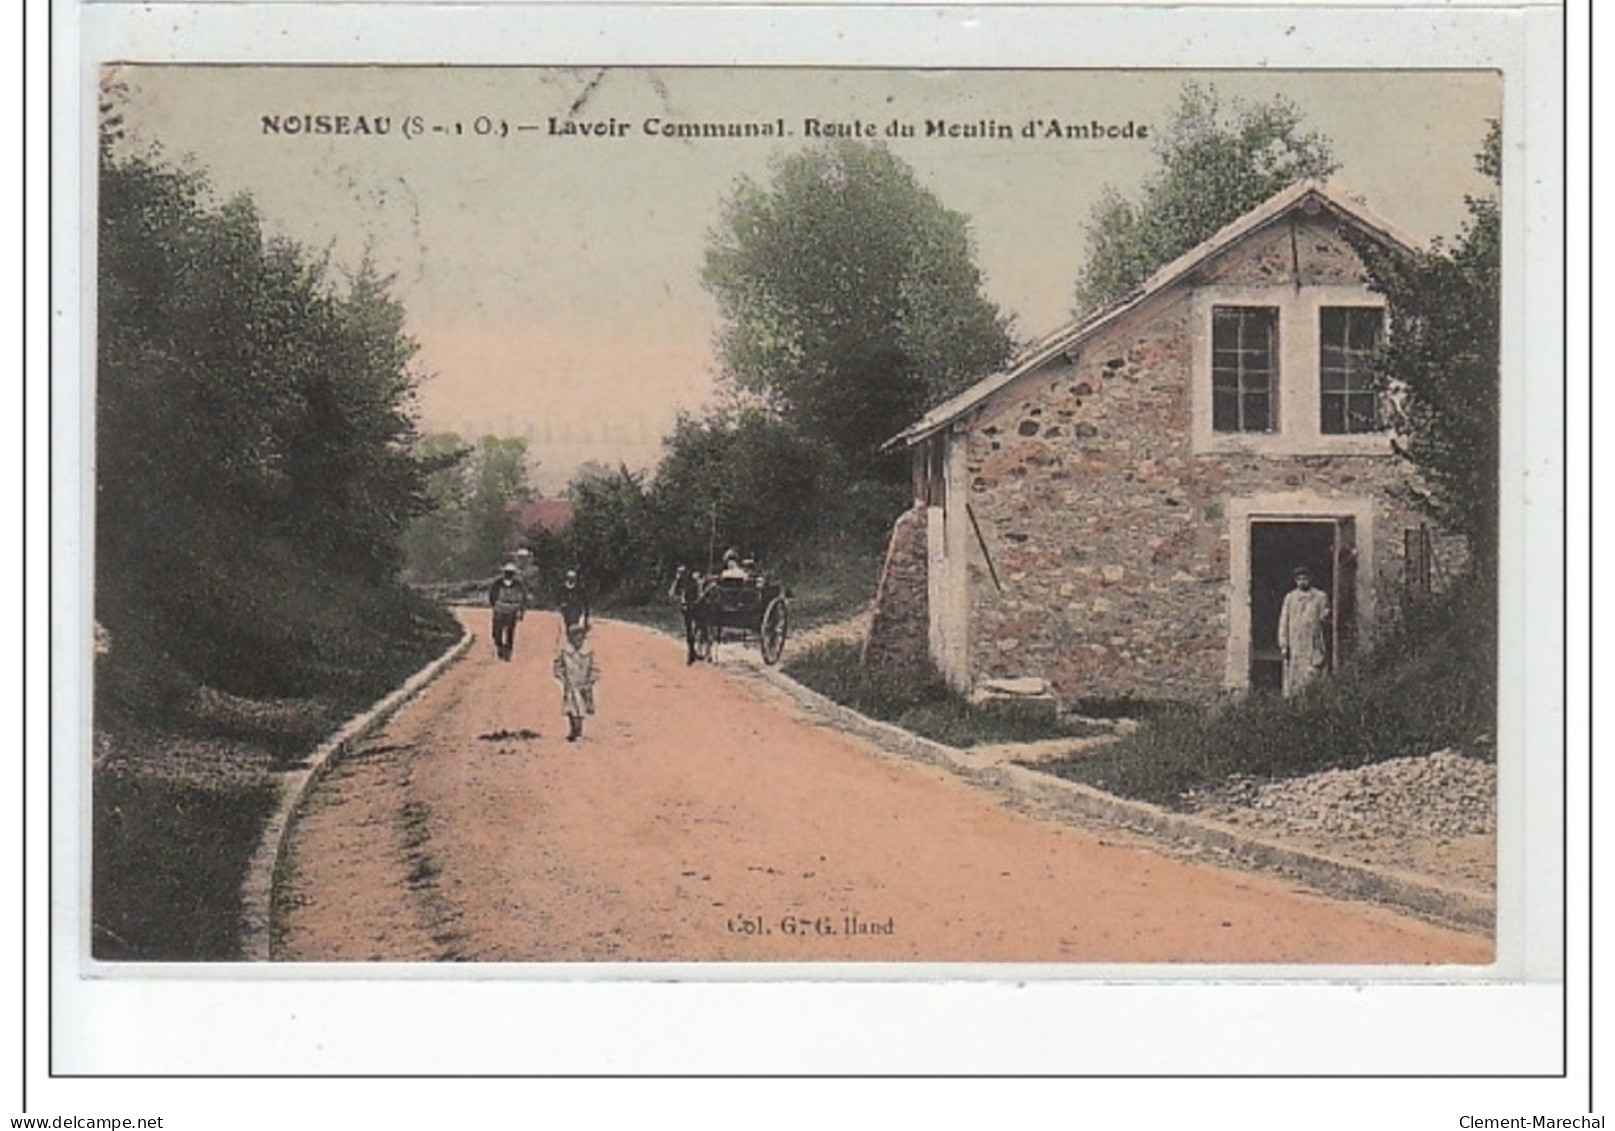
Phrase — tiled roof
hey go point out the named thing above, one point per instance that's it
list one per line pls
(554, 515)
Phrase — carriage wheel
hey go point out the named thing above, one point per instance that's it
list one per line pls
(773, 630)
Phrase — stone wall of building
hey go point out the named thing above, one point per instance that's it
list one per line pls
(898, 624)
(1110, 536)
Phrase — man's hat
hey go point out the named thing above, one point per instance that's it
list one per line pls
(509, 567)
(1301, 571)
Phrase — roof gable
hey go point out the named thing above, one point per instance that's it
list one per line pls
(1311, 198)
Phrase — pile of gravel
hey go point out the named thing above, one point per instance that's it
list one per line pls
(1439, 796)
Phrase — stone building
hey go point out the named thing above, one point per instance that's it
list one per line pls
(1120, 512)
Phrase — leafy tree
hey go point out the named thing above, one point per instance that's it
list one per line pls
(434, 543)
(1441, 360)
(588, 469)
(499, 480)
(1214, 167)
(551, 556)
(253, 441)
(610, 538)
(849, 298)
(743, 478)
(467, 531)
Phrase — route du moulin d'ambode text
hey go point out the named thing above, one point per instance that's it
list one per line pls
(413, 125)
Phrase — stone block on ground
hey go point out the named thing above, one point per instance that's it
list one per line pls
(1029, 693)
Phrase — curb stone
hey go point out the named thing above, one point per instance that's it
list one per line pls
(258, 887)
(1464, 908)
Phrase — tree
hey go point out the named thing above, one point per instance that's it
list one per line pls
(610, 537)
(1214, 167)
(744, 478)
(467, 531)
(434, 543)
(498, 481)
(588, 469)
(1441, 365)
(849, 298)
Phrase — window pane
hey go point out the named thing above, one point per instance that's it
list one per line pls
(1256, 381)
(1225, 410)
(1334, 413)
(1348, 336)
(1332, 324)
(1257, 413)
(1361, 412)
(1364, 330)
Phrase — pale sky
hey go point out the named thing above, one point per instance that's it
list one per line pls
(552, 280)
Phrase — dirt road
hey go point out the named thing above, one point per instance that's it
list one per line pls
(702, 819)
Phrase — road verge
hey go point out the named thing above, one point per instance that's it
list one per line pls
(258, 886)
(1445, 904)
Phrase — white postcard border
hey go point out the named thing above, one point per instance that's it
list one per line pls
(108, 1025)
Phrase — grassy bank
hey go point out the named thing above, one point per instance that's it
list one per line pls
(1431, 686)
(920, 701)
(186, 777)
(171, 849)
(837, 586)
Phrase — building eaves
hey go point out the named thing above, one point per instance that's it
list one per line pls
(1336, 200)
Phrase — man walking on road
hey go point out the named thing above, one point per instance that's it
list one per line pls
(574, 605)
(508, 597)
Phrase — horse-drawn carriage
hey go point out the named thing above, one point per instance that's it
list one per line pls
(727, 607)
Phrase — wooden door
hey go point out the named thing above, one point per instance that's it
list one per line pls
(1343, 612)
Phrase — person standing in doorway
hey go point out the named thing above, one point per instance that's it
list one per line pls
(1303, 633)
(508, 597)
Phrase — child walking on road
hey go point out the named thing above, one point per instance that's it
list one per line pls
(576, 670)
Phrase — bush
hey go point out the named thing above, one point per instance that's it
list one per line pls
(137, 680)
(1125, 707)
(276, 630)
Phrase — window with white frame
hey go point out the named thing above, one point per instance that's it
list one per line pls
(1283, 370)
(1347, 339)
(1244, 368)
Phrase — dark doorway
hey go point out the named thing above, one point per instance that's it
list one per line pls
(1277, 550)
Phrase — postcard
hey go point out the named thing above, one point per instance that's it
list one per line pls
(799, 524)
